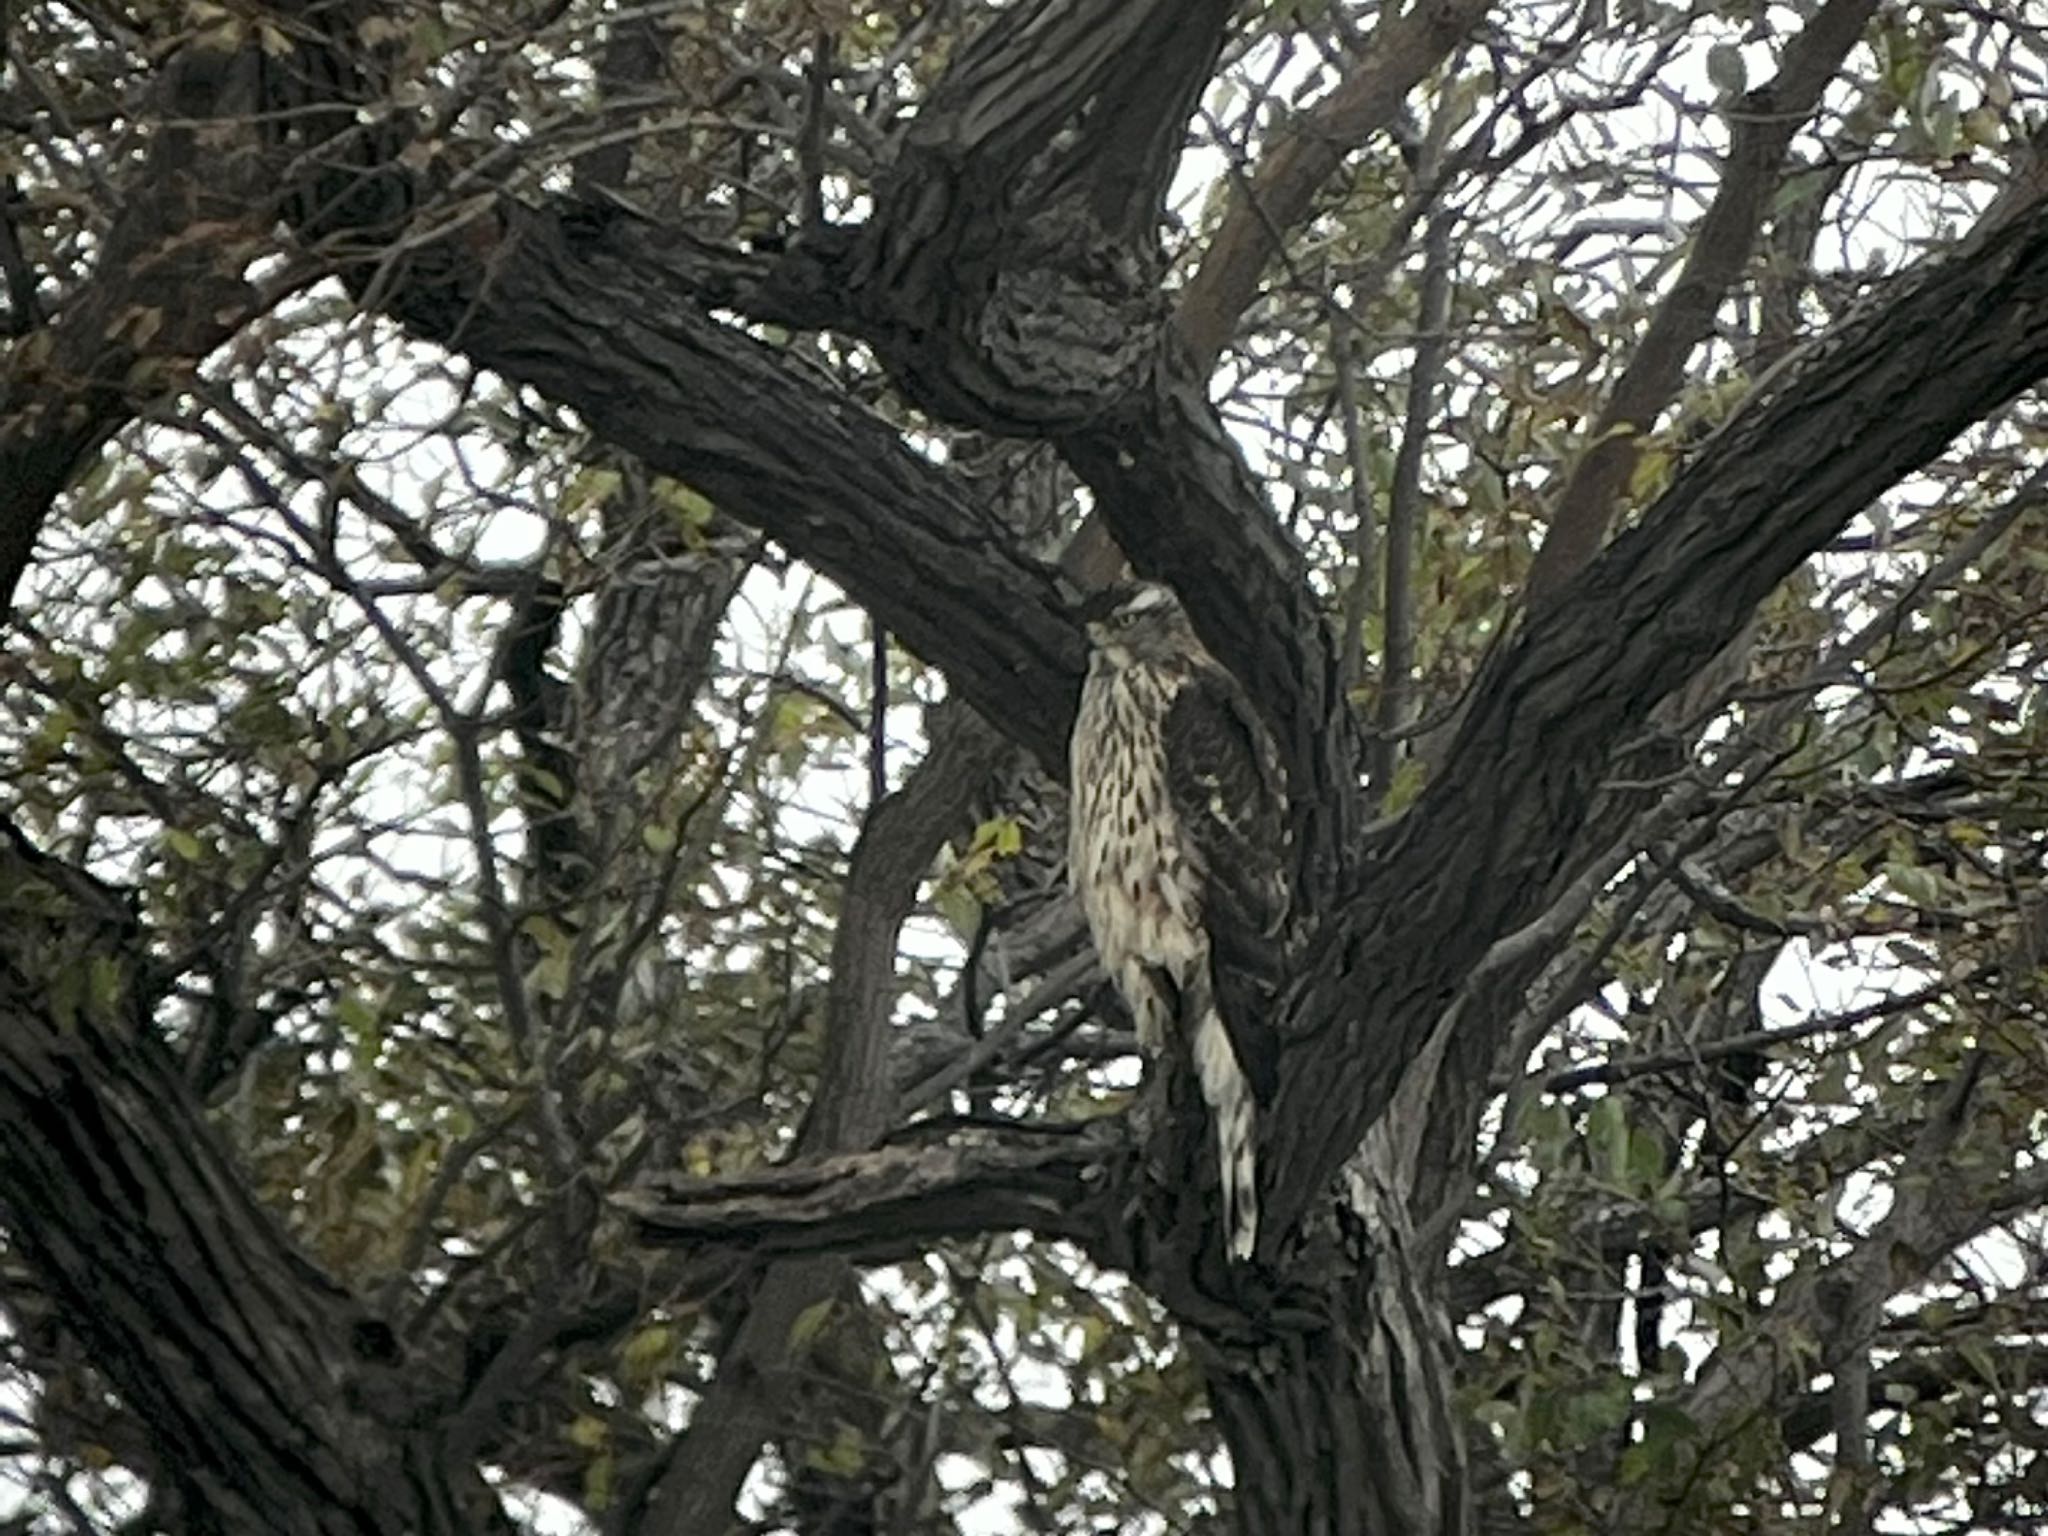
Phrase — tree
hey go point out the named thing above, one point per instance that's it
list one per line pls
(536, 986)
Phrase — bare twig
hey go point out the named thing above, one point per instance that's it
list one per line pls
(1358, 596)
(1404, 506)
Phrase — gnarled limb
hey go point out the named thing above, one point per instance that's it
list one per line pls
(273, 1399)
(700, 401)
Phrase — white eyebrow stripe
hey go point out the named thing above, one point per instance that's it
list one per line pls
(1148, 597)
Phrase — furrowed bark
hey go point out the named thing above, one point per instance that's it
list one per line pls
(898, 1201)
(275, 1404)
(1010, 276)
(700, 401)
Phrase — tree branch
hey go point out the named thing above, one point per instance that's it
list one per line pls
(1281, 195)
(1764, 123)
(1404, 506)
(1840, 1305)
(165, 291)
(889, 1204)
(700, 401)
(1497, 828)
(854, 1105)
(271, 1398)
(1609, 1072)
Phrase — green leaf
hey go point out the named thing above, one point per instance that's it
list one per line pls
(1094, 1334)
(1645, 1163)
(1916, 884)
(647, 1355)
(1545, 1126)
(958, 906)
(693, 510)
(592, 487)
(597, 1481)
(1978, 1358)
(550, 975)
(1726, 70)
(809, 1324)
(104, 987)
(844, 1456)
(545, 932)
(357, 1013)
(1607, 1139)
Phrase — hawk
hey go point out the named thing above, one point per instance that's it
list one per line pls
(1176, 844)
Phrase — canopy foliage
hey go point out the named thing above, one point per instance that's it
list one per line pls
(536, 989)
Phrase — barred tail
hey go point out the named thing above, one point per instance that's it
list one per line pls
(1228, 1093)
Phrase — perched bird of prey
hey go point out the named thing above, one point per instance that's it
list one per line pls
(1176, 853)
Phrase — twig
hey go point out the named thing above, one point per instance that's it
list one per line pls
(1358, 598)
(1610, 1072)
(1404, 507)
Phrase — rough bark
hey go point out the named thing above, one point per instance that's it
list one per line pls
(700, 401)
(1010, 276)
(895, 1202)
(1326, 1369)
(274, 1402)
(1471, 860)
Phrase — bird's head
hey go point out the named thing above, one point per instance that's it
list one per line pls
(1138, 621)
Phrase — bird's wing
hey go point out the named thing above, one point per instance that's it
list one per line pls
(1224, 780)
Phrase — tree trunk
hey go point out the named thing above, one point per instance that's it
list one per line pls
(1347, 1427)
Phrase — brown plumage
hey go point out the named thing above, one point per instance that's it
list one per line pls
(1176, 854)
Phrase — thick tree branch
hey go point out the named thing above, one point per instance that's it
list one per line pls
(700, 401)
(1471, 861)
(856, 1101)
(1009, 276)
(890, 1204)
(1009, 281)
(272, 1399)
